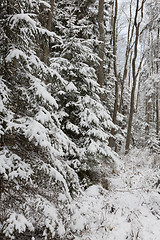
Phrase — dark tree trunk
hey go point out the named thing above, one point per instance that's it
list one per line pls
(102, 44)
(115, 71)
(157, 92)
(49, 25)
(134, 74)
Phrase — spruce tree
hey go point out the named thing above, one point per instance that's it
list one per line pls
(35, 181)
(84, 118)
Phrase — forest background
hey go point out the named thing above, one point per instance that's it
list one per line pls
(79, 88)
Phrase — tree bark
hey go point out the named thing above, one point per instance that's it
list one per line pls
(157, 90)
(115, 71)
(127, 53)
(147, 113)
(129, 75)
(111, 39)
(102, 42)
(138, 94)
(157, 113)
(134, 74)
(49, 25)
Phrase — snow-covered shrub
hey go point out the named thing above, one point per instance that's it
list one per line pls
(131, 210)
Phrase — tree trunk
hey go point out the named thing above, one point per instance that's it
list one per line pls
(129, 75)
(49, 25)
(147, 113)
(127, 53)
(102, 44)
(138, 93)
(115, 71)
(157, 89)
(134, 74)
(157, 113)
(111, 39)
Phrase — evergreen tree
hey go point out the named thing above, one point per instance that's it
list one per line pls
(54, 118)
(83, 117)
(35, 181)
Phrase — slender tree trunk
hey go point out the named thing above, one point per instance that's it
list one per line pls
(157, 113)
(134, 74)
(139, 83)
(1, 185)
(115, 71)
(111, 25)
(138, 93)
(154, 108)
(147, 113)
(127, 52)
(102, 44)
(49, 25)
(122, 86)
(129, 75)
(151, 56)
(157, 89)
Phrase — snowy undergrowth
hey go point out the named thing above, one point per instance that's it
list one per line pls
(129, 210)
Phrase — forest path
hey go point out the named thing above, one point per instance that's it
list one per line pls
(129, 210)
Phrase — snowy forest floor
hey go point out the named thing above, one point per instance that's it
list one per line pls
(130, 209)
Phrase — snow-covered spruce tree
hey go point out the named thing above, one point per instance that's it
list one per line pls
(84, 119)
(36, 185)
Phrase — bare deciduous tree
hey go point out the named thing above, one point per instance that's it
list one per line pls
(137, 23)
(115, 70)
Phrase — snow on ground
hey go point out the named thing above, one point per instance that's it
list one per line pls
(129, 210)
